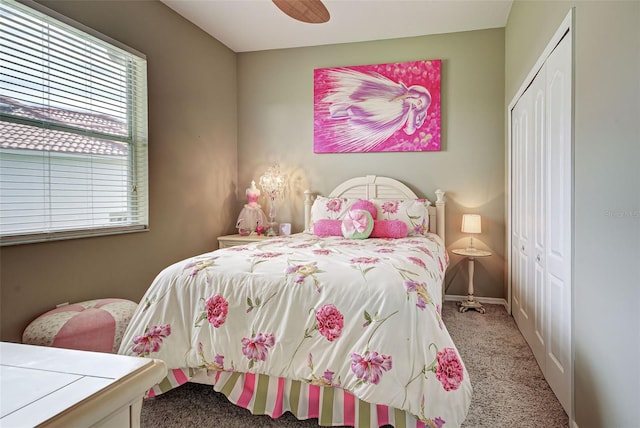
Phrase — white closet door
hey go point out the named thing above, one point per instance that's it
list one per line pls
(558, 229)
(528, 238)
(538, 219)
(541, 178)
(522, 142)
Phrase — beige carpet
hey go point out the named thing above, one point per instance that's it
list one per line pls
(508, 387)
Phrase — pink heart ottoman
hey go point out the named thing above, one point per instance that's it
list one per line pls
(95, 325)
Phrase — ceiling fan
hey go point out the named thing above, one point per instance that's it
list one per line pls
(310, 11)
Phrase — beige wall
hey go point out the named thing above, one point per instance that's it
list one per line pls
(275, 114)
(192, 170)
(606, 286)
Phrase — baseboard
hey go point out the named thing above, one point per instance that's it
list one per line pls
(484, 300)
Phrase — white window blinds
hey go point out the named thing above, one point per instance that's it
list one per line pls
(73, 129)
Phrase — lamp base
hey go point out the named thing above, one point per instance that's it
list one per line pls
(272, 229)
(465, 305)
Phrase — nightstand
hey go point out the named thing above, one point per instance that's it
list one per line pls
(237, 239)
(471, 254)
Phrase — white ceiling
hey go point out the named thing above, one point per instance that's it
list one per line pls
(255, 25)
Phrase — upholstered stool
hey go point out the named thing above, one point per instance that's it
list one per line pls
(95, 325)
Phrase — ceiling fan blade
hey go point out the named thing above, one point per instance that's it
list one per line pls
(311, 11)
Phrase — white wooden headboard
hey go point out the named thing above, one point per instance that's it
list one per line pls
(375, 187)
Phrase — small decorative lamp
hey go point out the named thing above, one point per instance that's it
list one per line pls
(272, 182)
(471, 223)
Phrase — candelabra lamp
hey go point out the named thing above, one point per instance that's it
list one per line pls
(272, 183)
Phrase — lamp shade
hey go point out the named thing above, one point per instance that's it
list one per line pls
(471, 223)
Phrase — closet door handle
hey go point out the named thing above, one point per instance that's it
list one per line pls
(538, 257)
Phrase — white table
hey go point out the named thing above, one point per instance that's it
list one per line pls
(471, 254)
(233, 240)
(42, 386)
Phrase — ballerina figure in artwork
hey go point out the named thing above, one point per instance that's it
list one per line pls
(366, 109)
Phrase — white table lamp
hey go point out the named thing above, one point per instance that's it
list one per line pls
(471, 223)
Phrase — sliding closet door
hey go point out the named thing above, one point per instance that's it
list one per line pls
(558, 229)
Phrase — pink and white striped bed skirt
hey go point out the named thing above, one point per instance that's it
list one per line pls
(273, 396)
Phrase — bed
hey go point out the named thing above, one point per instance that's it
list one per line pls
(348, 331)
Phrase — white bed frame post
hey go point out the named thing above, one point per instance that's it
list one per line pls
(308, 202)
(440, 214)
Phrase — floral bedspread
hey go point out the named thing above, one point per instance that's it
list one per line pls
(362, 315)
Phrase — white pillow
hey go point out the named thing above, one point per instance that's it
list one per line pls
(414, 212)
(324, 208)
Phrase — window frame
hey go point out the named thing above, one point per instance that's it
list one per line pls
(136, 140)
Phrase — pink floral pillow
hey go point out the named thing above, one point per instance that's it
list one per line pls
(413, 212)
(324, 208)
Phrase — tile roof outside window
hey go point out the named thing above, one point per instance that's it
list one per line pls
(18, 136)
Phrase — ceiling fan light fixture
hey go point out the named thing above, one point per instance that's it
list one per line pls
(310, 11)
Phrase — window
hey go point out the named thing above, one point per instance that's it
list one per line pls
(73, 129)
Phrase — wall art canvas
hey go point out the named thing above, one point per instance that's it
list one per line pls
(391, 107)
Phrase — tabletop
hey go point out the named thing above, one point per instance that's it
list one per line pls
(471, 252)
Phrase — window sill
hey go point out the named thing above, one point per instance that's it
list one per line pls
(6, 241)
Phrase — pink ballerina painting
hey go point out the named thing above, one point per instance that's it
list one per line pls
(378, 108)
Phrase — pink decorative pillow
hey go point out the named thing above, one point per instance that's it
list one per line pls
(357, 224)
(381, 228)
(327, 227)
(364, 204)
(389, 229)
(95, 325)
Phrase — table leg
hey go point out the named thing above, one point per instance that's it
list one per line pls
(470, 303)
(471, 265)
